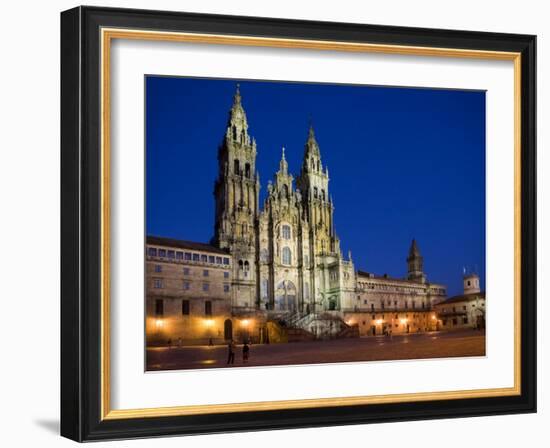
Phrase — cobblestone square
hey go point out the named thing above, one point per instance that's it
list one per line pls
(378, 348)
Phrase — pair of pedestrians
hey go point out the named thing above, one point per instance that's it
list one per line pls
(231, 347)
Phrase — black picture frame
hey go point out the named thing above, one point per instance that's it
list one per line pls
(81, 224)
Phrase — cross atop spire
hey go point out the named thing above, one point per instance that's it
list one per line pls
(283, 164)
(237, 96)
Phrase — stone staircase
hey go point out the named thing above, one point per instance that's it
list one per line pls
(298, 327)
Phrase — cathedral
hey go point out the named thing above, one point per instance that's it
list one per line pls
(274, 271)
(286, 251)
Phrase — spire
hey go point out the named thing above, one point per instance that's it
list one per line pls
(237, 124)
(311, 140)
(283, 165)
(237, 96)
(312, 155)
(415, 263)
(414, 252)
(237, 112)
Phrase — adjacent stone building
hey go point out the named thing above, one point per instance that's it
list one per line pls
(385, 304)
(188, 289)
(463, 311)
(274, 271)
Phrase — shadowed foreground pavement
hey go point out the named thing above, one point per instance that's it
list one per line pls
(378, 348)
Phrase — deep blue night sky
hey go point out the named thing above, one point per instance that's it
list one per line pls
(403, 163)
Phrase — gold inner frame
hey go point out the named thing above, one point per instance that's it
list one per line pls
(107, 35)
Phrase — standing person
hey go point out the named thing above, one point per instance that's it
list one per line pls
(231, 352)
(246, 351)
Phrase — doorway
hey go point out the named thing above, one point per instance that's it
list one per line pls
(228, 330)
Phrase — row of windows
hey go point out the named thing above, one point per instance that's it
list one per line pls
(315, 164)
(237, 169)
(464, 307)
(158, 283)
(362, 285)
(187, 271)
(396, 316)
(317, 194)
(286, 258)
(185, 307)
(186, 256)
(454, 321)
(383, 303)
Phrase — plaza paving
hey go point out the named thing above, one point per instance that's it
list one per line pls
(374, 348)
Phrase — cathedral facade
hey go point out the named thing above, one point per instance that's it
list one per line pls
(274, 271)
(286, 251)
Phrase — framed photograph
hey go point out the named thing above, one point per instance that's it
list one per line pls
(276, 224)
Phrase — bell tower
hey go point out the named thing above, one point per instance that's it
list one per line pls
(237, 187)
(318, 206)
(415, 263)
(471, 283)
(236, 193)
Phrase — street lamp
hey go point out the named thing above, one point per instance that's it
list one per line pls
(208, 323)
(245, 323)
(159, 323)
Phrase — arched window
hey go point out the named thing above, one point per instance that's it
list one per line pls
(285, 232)
(241, 265)
(246, 266)
(285, 191)
(287, 256)
(247, 170)
(236, 167)
(234, 133)
(323, 195)
(315, 192)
